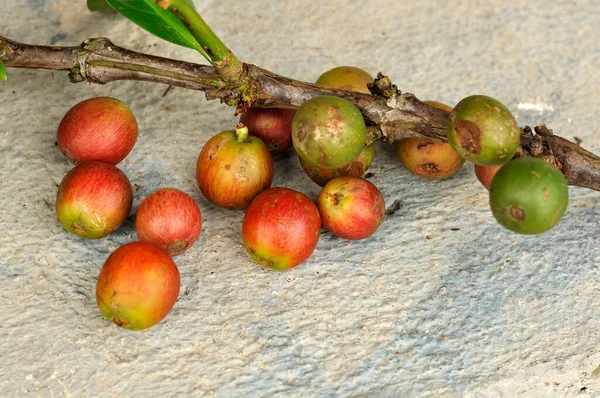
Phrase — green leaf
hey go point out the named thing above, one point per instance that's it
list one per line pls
(98, 5)
(2, 71)
(162, 23)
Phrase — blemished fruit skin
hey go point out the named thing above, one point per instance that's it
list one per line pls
(485, 174)
(101, 128)
(137, 286)
(170, 219)
(427, 158)
(281, 228)
(528, 196)
(93, 199)
(357, 168)
(231, 171)
(351, 207)
(346, 78)
(483, 131)
(328, 132)
(272, 125)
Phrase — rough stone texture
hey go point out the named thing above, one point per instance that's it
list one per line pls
(440, 302)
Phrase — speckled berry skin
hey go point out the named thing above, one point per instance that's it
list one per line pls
(429, 159)
(272, 125)
(528, 196)
(137, 286)
(351, 207)
(169, 219)
(231, 171)
(281, 228)
(93, 199)
(357, 168)
(483, 131)
(346, 78)
(328, 132)
(101, 128)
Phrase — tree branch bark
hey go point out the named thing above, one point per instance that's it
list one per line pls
(390, 114)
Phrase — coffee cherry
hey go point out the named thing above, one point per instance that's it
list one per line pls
(93, 199)
(483, 131)
(351, 207)
(528, 196)
(101, 128)
(281, 228)
(328, 132)
(357, 168)
(485, 174)
(427, 158)
(272, 125)
(346, 78)
(233, 167)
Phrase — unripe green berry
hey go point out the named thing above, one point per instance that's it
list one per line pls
(357, 168)
(483, 131)
(346, 78)
(528, 196)
(328, 132)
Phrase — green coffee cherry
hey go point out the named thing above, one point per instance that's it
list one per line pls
(328, 132)
(357, 168)
(528, 196)
(483, 131)
(346, 78)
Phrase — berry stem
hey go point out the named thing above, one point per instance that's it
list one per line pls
(241, 132)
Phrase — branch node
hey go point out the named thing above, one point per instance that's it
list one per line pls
(96, 44)
(76, 76)
(7, 48)
(78, 73)
(536, 147)
(229, 97)
(539, 144)
(543, 131)
(383, 87)
(374, 133)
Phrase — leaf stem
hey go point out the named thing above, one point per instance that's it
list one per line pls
(2, 71)
(221, 57)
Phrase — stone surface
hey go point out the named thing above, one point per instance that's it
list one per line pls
(441, 301)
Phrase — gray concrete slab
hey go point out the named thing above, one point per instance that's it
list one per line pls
(440, 302)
